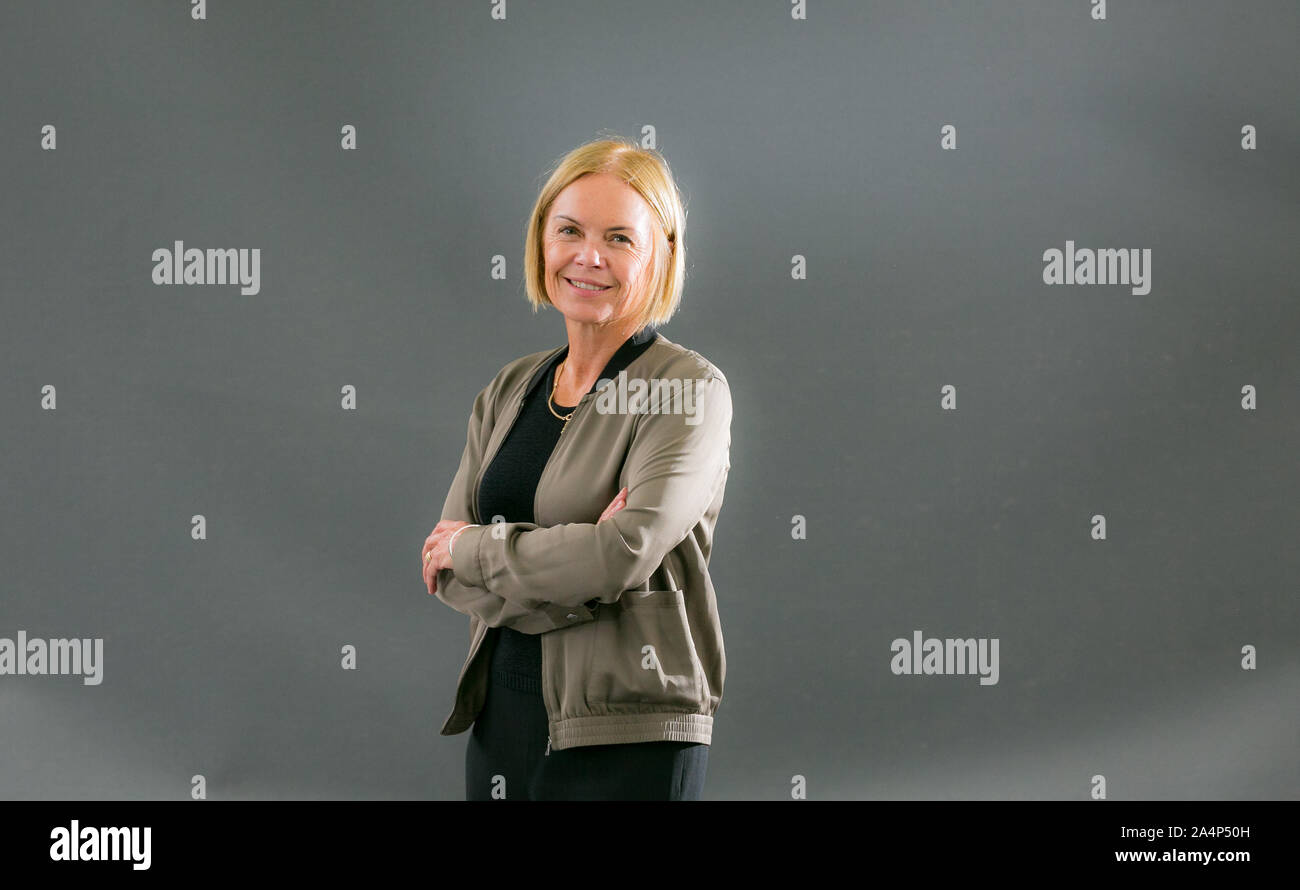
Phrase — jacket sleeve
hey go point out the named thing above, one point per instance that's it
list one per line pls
(459, 505)
(673, 469)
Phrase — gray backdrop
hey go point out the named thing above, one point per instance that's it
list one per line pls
(1163, 658)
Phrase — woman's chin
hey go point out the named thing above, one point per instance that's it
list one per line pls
(587, 314)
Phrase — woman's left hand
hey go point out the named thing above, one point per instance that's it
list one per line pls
(435, 555)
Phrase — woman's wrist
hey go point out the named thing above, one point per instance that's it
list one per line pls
(452, 541)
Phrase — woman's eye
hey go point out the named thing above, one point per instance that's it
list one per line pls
(564, 230)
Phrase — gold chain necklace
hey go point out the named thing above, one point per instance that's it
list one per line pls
(550, 399)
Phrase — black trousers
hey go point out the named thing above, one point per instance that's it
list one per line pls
(506, 758)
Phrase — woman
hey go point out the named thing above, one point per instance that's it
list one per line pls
(577, 532)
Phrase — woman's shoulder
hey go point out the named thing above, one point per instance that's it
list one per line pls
(665, 358)
(517, 370)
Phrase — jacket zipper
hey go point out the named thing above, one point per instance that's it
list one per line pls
(478, 518)
(536, 493)
(484, 463)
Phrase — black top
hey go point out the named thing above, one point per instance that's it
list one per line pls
(510, 485)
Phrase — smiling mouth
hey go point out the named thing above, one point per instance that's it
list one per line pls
(587, 287)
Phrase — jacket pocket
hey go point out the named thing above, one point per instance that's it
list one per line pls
(643, 655)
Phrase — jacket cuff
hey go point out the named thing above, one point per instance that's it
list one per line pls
(464, 556)
(468, 569)
(568, 616)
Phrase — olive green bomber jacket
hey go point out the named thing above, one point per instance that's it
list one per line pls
(631, 640)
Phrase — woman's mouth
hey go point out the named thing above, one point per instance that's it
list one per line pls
(586, 288)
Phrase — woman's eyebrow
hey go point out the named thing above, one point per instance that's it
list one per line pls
(610, 229)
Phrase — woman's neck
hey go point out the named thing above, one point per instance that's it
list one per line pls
(590, 349)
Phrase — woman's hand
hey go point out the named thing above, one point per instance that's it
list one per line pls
(435, 554)
(619, 502)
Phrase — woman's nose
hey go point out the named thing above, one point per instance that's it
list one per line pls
(589, 254)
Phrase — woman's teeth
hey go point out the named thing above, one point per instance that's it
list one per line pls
(581, 286)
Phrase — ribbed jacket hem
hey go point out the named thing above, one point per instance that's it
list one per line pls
(618, 729)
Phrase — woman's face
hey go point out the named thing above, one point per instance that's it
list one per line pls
(598, 231)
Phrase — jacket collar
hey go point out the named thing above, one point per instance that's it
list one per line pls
(632, 347)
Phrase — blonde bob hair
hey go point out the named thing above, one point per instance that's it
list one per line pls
(647, 172)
